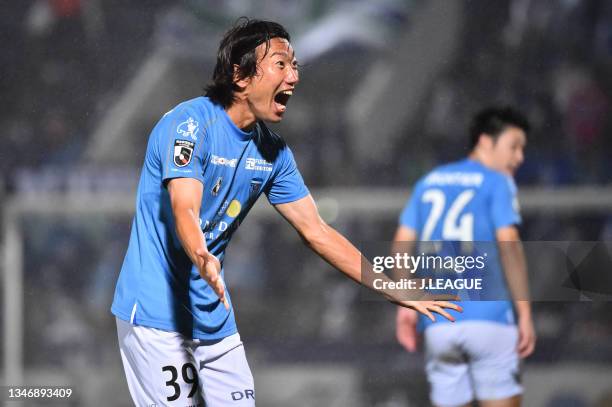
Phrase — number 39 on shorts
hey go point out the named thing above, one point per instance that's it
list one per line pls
(188, 375)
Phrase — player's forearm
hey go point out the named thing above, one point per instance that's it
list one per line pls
(336, 250)
(189, 233)
(523, 309)
(515, 269)
(404, 242)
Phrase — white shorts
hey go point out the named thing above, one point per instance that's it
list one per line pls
(166, 369)
(471, 360)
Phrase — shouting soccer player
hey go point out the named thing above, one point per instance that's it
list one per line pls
(475, 200)
(207, 161)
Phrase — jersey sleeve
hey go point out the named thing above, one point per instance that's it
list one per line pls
(181, 145)
(410, 215)
(504, 205)
(287, 185)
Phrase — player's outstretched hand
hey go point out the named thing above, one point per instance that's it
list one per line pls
(210, 270)
(427, 308)
(527, 337)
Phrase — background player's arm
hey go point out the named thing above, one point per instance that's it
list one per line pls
(340, 253)
(406, 319)
(185, 198)
(515, 268)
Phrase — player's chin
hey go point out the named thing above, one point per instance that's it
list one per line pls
(275, 116)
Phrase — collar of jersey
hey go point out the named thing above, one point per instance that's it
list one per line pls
(240, 134)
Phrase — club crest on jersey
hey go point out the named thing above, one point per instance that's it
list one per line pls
(183, 151)
(189, 128)
(215, 189)
(254, 187)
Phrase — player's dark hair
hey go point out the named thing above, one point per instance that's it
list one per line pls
(238, 48)
(493, 121)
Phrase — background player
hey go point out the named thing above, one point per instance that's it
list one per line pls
(207, 162)
(474, 200)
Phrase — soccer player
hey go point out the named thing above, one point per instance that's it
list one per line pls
(474, 200)
(207, 161)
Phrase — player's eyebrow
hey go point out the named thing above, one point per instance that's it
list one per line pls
(281, 53)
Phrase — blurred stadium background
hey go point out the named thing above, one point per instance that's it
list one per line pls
(387, 87)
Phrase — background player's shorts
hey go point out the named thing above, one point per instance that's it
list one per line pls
(472, 359)
(166, 369)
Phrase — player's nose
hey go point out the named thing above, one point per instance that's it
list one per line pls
(292, 77)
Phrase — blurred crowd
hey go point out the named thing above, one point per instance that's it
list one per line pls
(63, 64)
(70, 60)
(550, 59)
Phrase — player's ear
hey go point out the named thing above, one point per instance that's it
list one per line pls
(239, 80)
(485, 141)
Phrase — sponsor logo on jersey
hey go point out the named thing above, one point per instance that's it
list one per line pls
(189, 128)
(216, 228)
(183, 151)
(217, 187)
(243, 395)
(258, 164)
(216, 160)
(234, 208)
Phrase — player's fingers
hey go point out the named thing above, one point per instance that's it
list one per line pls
(451, 305)
(223, 298)
(212, 276)
(523, 344)
(530, 348)
(219, 289)
(218, 284)
(426, 312)
(439, 310)
(523, 351)
(526, 347)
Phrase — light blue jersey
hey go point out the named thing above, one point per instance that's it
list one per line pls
(158, 286)
(466, 201)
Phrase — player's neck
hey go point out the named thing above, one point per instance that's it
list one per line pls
(242, 116)
(481, 158)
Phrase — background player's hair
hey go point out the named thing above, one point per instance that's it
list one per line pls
(494, 120)
(238, 48)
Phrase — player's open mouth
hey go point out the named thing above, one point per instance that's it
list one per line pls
(281, 99)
